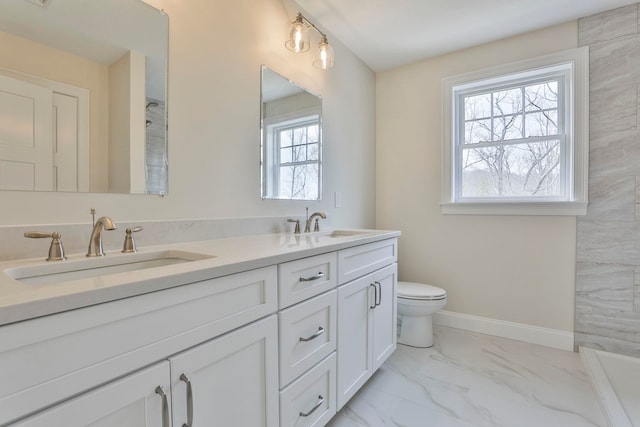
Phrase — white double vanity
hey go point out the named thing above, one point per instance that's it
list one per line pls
(268, 330)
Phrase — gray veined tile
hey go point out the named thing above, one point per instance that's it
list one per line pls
(636, 299)
(614, 108)
(608, 242)
(615, 154)
(612, 198)
(608, 25)
(607, 344)
(624, 326)
(615, 62)
(603, 287)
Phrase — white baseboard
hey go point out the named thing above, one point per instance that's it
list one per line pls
(502, 328)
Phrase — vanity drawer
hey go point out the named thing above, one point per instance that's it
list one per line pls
(313, 395)
(79, 349)
(305, 278)
(361, 260)
(307, 335)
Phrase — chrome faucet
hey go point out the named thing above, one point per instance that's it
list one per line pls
(307, 227)
(95, 242)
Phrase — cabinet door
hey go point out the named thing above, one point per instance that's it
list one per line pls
(229, 381)
(136, 400)
(384, 315)
(355, 364)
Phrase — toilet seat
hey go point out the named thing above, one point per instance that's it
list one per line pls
(420, 291)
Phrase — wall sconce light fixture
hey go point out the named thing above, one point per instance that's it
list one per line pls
(299, 42)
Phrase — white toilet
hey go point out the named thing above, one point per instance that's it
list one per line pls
(417, 303)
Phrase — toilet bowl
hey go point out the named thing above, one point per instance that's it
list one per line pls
(417, 303)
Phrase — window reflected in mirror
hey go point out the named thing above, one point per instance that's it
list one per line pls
(291, 140)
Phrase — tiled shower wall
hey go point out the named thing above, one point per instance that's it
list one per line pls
(156, 148)
(608, 252)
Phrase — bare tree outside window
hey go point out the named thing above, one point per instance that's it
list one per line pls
(299, 161)
(511, 145)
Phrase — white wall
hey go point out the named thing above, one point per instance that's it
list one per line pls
(519, 269)
(127, 130)
(216, 49)
(120, 109)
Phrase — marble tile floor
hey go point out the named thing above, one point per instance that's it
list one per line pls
(473, 380)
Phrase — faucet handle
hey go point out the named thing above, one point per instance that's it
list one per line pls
(129, 243)
(297, 221)
(56, 250)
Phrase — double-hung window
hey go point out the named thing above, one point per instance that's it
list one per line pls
(293, 158)
(515, 138)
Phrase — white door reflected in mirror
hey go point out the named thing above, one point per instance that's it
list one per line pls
(83, 101)
(291, 140)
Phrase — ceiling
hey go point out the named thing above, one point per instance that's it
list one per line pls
(389, 33)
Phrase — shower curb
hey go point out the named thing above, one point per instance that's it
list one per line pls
(607, 398)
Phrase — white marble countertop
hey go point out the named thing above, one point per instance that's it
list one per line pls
(20, 301)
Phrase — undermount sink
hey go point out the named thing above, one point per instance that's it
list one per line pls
(63, 271)
(346, 233)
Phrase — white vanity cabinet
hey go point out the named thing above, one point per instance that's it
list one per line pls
(311, 399)
(307, 341)
(286, 343)
(47, 360)
(229, 381)
(366, 314)
(360, 313)
(137, 400)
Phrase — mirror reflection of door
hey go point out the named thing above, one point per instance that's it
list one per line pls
(75, 43)
(41, 140)
(26, 154)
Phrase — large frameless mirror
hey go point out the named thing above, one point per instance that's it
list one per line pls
(83, 96)
(291, 140)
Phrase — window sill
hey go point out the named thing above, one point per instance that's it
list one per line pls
(515, 208)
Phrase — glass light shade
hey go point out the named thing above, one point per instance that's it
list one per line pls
(298, 36)
(324, 58)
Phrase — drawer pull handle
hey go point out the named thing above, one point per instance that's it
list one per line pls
(189, 422)
(165, 406)
(320, 402)
(320, 275)
(375, 295)
(314, 336)
(378, 293)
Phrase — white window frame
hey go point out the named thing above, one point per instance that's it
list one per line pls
(572, 67)
(271, 149)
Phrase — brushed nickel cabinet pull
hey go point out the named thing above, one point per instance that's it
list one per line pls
(314, 336)
(375, 295)
(165, 406)
(189, 422)
(317, 405)
(312, 278)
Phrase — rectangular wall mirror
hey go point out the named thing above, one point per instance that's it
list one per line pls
(83, 96)
(291, 140)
